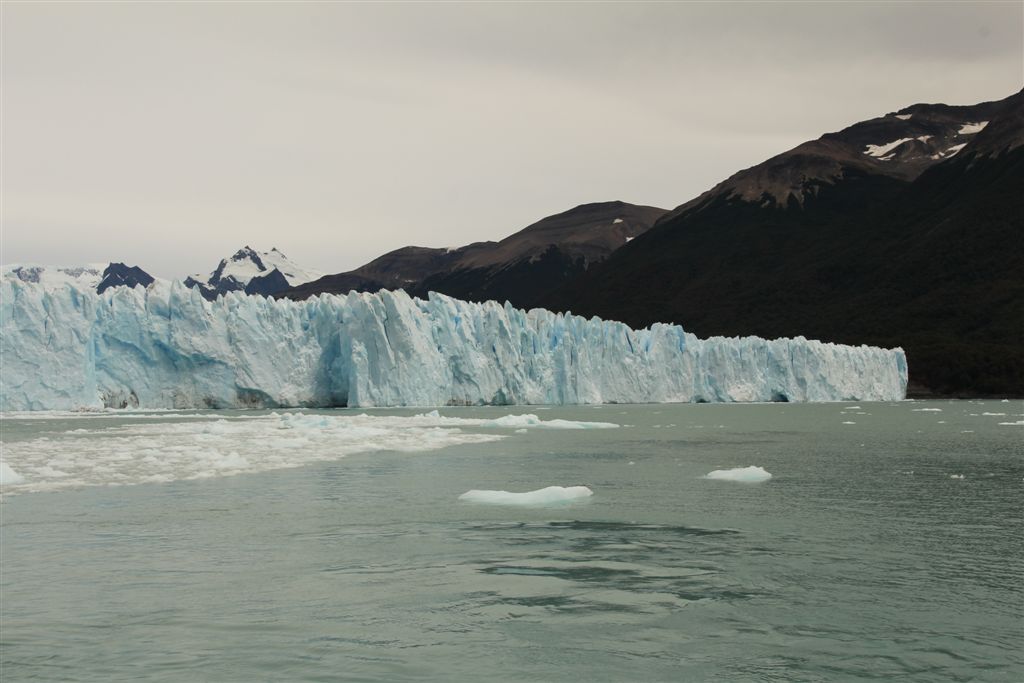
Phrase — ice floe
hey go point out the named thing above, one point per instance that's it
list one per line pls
(116, 453)
(745, 475)
(8, 476)
(551, 495)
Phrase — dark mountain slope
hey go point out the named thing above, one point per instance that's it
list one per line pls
(121, 275)
(928, 256)
(521, 268)
(396, 269)
(525, 267)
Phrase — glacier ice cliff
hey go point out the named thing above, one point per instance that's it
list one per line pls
(167, 347)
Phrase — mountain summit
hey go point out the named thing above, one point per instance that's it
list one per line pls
(522, 268)
(252, 272)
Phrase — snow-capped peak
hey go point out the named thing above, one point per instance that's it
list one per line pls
(248, 263)
(85, 277)
(295, 274)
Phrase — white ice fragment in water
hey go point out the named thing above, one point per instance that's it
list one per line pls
(522, 431)
(849, 423)
(534, 421)
(550, 495)
(1018, 423)
(746, 475)
(956, 476)
(995, 414)
(8, 475)
(926, 410)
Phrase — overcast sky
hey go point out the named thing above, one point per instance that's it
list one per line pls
(169, 135)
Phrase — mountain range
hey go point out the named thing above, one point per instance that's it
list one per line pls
(903, 230)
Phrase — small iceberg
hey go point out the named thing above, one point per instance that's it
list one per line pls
(551, 495)
(525, 421)
(745, 475)
(8, 475)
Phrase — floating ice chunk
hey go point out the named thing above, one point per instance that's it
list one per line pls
(926, 410)
(231, 461)
(8, 475)
(552, 495)
(745, 475)
(849, 423)
(138, 451)
(995, 414)
(521, 421)
(522, 431)
(956, 476)
(1018, 423)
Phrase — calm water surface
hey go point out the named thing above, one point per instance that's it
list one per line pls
(862, 558)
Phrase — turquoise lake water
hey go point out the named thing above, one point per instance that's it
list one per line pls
(245, 546)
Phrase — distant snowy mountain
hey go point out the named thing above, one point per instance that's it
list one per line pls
(252, 272)
(247, 271)
(92, 277)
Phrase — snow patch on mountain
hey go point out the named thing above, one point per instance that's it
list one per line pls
(972, 128)
(882, 151)
(954, 150)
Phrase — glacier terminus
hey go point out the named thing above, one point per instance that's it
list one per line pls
(166, 346)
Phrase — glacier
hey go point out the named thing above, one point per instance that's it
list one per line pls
(165, 346)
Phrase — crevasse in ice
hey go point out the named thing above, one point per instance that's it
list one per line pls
(167, 347)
